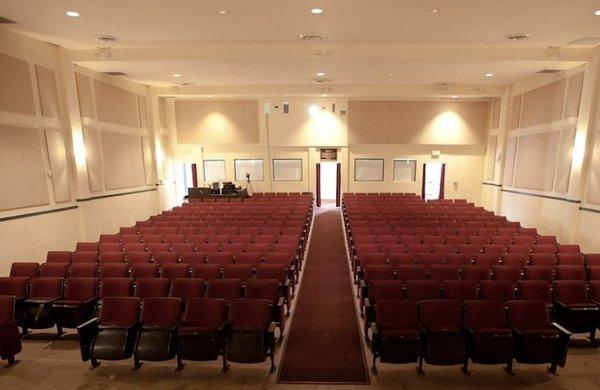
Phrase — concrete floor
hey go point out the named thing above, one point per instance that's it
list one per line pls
(51, 363)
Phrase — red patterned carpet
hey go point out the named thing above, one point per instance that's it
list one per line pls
(324, 344)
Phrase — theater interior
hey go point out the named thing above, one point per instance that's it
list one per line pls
(299, 194)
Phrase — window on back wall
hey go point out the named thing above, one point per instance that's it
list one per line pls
(368, 169)
(254, 167)
(214, 170)
(287, 169)
(405, 170)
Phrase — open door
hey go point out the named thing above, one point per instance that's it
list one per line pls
(194, 175)
(318, 185)
(329, 182)
(433, 181)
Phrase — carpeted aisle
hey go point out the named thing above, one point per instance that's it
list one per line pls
(324, 344)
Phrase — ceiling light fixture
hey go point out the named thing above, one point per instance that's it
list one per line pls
(323, 95)
(106, 39)
(489, 75)
(320, 74)
(433, 11)
(222, 12)
(597, 12)
(176, 75)
(313, 110)
(519, 37)
(316, 11)
(72, 14)
(454, 96)
(210, 96)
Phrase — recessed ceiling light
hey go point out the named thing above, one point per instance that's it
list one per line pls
(73, 14)
(320, 74)
(313, 110)
(176, 75)
(597, 12)
(210, 96)
(316, 11)
(391, 73)
(222, 12)
(454, 96)
(105, 39)
(519, 37)
(323, 95)
(433, 11)
(489, 75)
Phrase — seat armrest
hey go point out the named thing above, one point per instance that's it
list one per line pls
(367, 303)
(374, 329)
(363, 284)
(561, 329)
(517, 332)
(43, 301)
(286, 283)
(281, 302)
(272, 327)
(561, 305)
(469, 331)
(94, 322)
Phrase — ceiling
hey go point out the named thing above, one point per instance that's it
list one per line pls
(257, 42)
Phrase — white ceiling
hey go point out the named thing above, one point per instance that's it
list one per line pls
(149, 29)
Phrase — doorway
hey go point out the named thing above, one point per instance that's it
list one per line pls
(433, 181)
(328, 182)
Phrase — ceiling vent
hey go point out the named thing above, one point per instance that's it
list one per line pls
(321, 80)
(519, 37)
(586, 41)
(105, 39)
(312, 37)
(479, 90)
(549, 71)
(441, 85)
(4, 20)
(186, 83)
(323, 52)
(115, 73)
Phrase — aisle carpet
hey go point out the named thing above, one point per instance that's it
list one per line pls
(324, 344)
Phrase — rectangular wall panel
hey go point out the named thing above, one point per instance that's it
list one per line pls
(515, 112)
(543, 104)
(495, 113)
(22, 171)
(84, 93)
(143, 111)
(405, 170)
(217, 122)
(565, 158)
(288, 169)
(417, 122)
(593, 190)
(491, 157)
(115, 105)
(254, 167)
(16, 92)
(509, 167)
(47, 90)
(368, 169)
(123, 160)
(536, 160)
(58, 164)
(93, 157)
(148, 161)
(574, 95)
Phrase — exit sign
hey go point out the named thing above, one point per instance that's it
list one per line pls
(328, 154)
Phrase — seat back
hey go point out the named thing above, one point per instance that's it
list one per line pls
(267, 289)
(46, 287)
(460, 290)
(151, 287)
(186, 288)
(81, 289)
(25, 269)
(527, 314)
(397, 314)
(206, 312)
(224, 288)
(119, 311)
(487, 314)
(418, 290)
(440, 314)
(54, 270)
(58, 257)
(161, 311)
(116, 287)
(500, 290)
(249, 314)
(570, 292)
(534, 290)
(14, 285)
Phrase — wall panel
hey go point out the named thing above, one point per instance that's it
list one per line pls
(535, 161)
(47, 90)
(574, 95)
(58, 164)
(22, 171)
(217, 122)
(509, 168)
(84, 93)
(543, 104)
(148, 161)
(143, 111)
(16, 92)
(115, 105)
(593, 189)
(515, 112)
(418, 122)
(123, 160)
(93, 153)
(564, 160)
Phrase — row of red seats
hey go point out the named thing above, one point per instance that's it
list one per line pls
(444, 332)
(239, 331)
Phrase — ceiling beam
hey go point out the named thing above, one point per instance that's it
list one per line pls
(341, 52)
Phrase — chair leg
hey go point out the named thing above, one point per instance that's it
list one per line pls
(592, 338)
(59, 331)
(420, 371)
(180, 364)
(374, 363)
(136, 363)
(508, 368)
(94, 363)
(272, 370)
(225, 365)
(552, 369)
(465, 367)
(10, 361)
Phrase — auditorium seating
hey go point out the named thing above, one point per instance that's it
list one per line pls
(474, 255)
(10, 341)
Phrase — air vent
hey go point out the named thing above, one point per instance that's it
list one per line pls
(3, 20)
(549, 71)
(441, 85)
(105, 39)
(519, 37)
(312, 37)
(115, 73)
(186, 83)
(586, 41)
(321, 80)
(323, 52)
